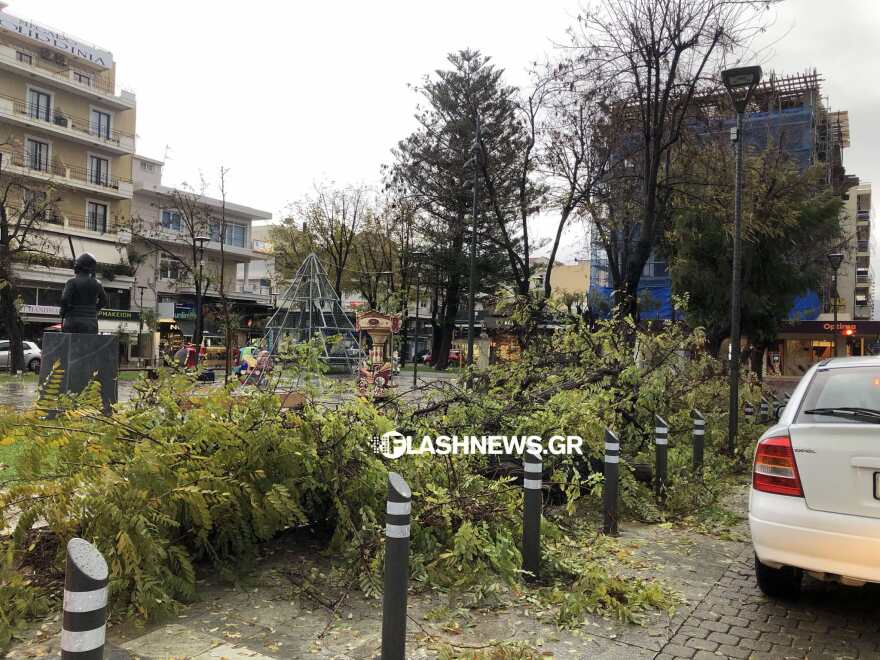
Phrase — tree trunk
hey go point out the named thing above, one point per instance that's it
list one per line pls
(440, 358)
(13, 328)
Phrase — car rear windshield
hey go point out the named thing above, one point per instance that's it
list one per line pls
(841, 387)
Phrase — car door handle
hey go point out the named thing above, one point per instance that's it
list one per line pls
(871, 462)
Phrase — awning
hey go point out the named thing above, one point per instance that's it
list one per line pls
(103, 251)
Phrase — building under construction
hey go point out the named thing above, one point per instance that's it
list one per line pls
(789, 111)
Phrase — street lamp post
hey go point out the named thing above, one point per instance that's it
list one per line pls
(835, 259)
(473, 252)
(141, 326)
(416, 259)
(740, 83)
(200, 241)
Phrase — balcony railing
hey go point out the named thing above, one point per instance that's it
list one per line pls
(863, 246)
(863, 215)
(34, 163)
(53, 216)
(18, 108)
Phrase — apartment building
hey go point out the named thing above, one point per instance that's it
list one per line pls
(161, 248)
(858, 206)
(67, 139)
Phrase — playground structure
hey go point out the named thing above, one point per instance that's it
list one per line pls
(376, 374)
(308, 310)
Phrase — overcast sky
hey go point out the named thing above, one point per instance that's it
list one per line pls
(285, 94)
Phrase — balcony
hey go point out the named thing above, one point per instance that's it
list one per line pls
(59, 123)
(863, 215)
(96, 89)
(863, 312)
(863, 246)
(72, 176)
(50, 219)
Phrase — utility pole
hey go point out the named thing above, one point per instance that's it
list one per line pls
(473, 256)
(141, 326)
(835, 259)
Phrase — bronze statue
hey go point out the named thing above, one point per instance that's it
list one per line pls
(83, 296)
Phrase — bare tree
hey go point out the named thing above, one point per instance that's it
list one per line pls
(653, 58)
(25, 208)
(228, 319)
(181, 243)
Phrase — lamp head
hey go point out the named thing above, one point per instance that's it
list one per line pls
(740, 83)
(835, 259)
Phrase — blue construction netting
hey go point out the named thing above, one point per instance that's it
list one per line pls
(793, 129)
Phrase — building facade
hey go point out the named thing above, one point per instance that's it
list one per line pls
(162, 246)
(67, 139)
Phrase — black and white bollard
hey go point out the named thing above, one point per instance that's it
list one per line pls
(532, 502)
(765, 410)
(661, 443)
(397, 522)
(749, 410)
(83, 624)
(612, 477)
(699, 435)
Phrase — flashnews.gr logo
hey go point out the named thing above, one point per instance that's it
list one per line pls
(393, 444)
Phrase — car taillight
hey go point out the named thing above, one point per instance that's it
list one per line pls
(775, 469)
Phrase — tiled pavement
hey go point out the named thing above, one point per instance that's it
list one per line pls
(270, 615)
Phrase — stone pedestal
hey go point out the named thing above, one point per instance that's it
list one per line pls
(82, 359)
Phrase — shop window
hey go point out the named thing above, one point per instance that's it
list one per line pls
(49, 297)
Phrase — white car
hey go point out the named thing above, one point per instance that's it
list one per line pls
(32, 355)
(815, 499)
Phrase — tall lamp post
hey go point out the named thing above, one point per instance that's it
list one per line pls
(200, 241)
(835, 259)
(740, 83)
(417, 258)
(141, 325)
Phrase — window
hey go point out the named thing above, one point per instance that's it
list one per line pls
(37, 205)
(214, 231)
(39, 104)
(171, 219)
(49, 297)
(24, 58)
(169, 269)
(101, 124)
(99, 171)
(38, 155)
(96, 218)
(82, 78)
(235, 234)
(146, 167)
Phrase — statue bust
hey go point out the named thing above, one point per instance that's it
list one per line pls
(83, 296)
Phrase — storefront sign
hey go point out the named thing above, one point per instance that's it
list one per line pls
(41, 310)
(46, 37)
(119, 315)
(103, 314)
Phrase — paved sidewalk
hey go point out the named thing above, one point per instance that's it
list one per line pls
(276, 613)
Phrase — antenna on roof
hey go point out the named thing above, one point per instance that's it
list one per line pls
(167, 151)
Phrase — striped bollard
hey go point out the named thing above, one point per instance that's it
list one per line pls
(532, 501)
(749, 410)
(397, 523)
(610, 487)
(83, 624)
(765, 410)
(699, 435)
(661, 442)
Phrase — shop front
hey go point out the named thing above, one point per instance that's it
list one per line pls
(802, 344)
(124, 323)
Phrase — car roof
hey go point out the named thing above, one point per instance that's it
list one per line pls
(861, 361)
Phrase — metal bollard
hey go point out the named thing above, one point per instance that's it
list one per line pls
(84, 621)
(397, 525)
(532, 502)
(612, 477)
(699, 436)
(661, 442)
(765, 410)
(748, 409)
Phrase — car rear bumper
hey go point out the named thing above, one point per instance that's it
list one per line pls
(786, 532)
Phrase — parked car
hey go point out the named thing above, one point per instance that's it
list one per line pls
(814, 505)
(33, 356)
(454, 356)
